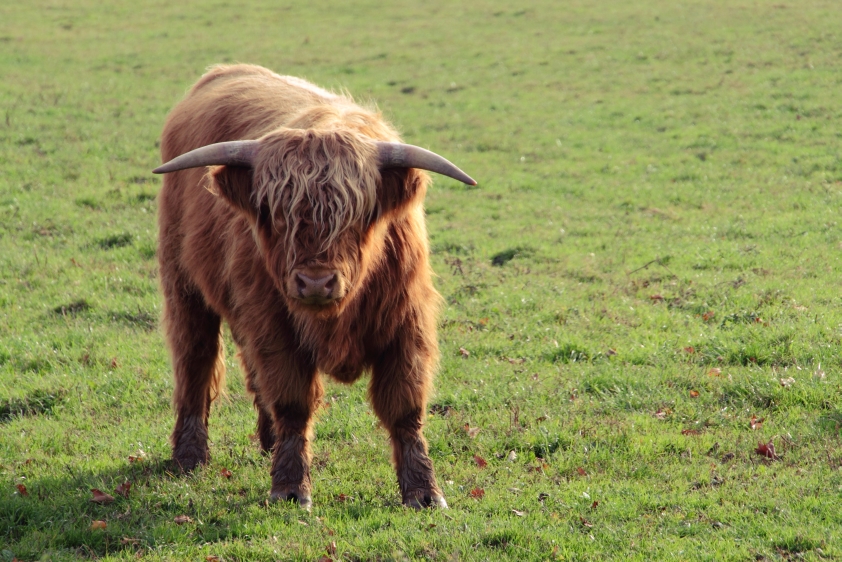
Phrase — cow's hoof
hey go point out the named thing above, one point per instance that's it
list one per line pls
(189, 462)
(419, 501)
(305, 501)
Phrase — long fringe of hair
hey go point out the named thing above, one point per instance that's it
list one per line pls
(325, 177)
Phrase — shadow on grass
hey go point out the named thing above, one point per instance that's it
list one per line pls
(39, 402)
(56, 514)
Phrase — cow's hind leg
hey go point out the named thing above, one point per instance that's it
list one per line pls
(265, 426)
(193, 331)
(292, 398)
(399, 387)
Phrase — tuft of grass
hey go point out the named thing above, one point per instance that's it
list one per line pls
(140, 319)
(115, 241)
(501, 258)
(72, 308)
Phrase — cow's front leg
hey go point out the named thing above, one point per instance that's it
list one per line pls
(416, 477)
(399, 388)
(291, 456)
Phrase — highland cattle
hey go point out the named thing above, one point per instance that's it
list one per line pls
(296, 216)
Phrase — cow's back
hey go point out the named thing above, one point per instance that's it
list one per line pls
(241, 102)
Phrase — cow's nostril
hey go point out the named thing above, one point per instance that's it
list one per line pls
(329, 284)
(300, 283)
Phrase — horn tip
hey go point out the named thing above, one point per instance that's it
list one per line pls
(464, 178)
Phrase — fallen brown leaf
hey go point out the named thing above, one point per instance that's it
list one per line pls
(129, 540)
(471, 431)
(594, 505)
(787, 382)
(212, 558)
(656, 298)
(464, 352)
(182, 519)
(477, 493)
(715, 372)
(690, 432)
(690, 349)
(585, 522)
(708, 315)
(518, 513)
(114, 363)
(101, 497)
(331, 548)
(767, 450)
(694, 394)
(581, 471)
(342, 498)
(226, 473)
(756, 423)
(98, 524)
(22, 489)
(481, 462)
(123, 489)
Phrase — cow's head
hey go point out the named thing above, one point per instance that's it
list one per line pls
(314, 199)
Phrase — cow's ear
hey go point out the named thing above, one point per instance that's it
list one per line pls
(399, 187)
(234, 184)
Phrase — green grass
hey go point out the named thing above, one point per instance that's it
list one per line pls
(653, 247)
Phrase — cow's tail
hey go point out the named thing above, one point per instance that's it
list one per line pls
(217, 382)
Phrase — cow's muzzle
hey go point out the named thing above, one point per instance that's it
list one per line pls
(317, 286)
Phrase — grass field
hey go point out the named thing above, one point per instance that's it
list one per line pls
(643, 287)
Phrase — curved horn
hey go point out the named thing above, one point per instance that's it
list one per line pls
(399, 155)
(233, 153)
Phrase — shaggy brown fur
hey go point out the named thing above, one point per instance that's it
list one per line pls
(235, 243)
